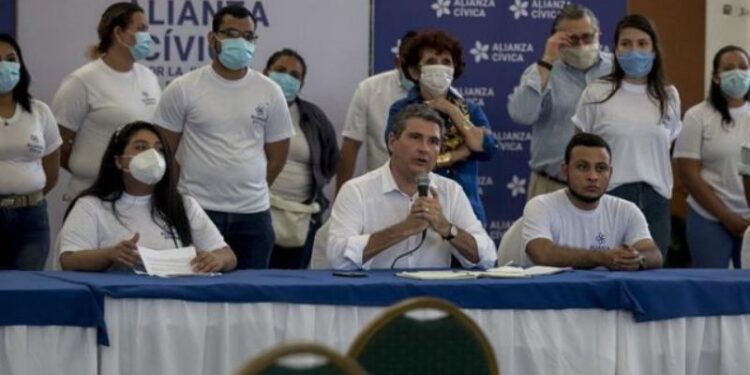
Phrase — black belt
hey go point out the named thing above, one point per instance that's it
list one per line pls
(545, 175)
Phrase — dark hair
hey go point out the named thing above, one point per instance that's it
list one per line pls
(586, 140)
(21, 91)
(656, 79)
(167, 206)
(438, 40)
(234, 10)
(715, 95)
(574, 12)
(405, 39)
(117, 14)
(291, 53)
(420, 111)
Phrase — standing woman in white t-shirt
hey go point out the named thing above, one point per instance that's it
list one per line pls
(106, 93)
(638, 113)
(29, 163)
(134, 202)
(707, 153)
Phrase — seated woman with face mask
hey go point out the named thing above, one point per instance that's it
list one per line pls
(134, 202)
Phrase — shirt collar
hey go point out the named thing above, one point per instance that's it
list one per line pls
(388, 183)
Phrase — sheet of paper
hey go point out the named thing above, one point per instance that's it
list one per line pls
(545, 270)
(509, 271)
(438, 275)
(171, 262)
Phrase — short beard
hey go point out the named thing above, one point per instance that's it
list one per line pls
(584, 198)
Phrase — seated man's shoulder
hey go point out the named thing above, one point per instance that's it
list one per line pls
(361, 182)
(548, 200)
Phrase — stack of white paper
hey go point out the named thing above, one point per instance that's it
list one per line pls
(499, 272)
(438, 275)
(171, 262)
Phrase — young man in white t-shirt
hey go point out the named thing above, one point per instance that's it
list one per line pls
(581, 226)
(231, 127)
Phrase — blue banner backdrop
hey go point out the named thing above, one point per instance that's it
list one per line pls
(8, 17)
(500, 39)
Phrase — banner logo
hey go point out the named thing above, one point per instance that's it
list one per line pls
(537, 9)
(480, 52)
(519, 9)
(517, 186)
(441, 8)
(462, 8)
(501, 52)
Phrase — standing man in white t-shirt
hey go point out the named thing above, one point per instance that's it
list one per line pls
(367, 114)
(583, 227)
(231, 127)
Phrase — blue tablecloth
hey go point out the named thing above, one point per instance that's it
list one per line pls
(70, 298)
(32, 299)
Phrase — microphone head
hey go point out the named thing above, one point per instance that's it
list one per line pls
(423, 184)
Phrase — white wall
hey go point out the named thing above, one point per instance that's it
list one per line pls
(332, 35)
(727, 22)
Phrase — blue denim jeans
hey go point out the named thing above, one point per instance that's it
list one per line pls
(24, 237)
(710, 244)
(249, 235)
(296, 257)
(654, 207)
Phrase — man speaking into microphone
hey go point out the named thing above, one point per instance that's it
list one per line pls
(403, 216)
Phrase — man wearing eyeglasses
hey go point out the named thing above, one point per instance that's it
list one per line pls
(549, 90)
(230, 127)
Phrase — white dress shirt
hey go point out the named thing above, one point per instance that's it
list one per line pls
(372, 202)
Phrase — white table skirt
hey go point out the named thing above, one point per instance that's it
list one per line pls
(26, 350)
(179, 337)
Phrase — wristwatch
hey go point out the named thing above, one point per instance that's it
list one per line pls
(452, 233)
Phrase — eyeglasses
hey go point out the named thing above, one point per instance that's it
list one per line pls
(234, 33)
(585, 38)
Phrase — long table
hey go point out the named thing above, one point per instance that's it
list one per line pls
(598, 322)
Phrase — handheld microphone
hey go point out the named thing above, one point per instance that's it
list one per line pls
(423, 187)
(423, 184)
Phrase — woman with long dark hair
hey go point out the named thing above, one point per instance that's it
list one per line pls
(29, 164)
(134, 201)
(707, 153)
(111, 90)
(433, 59)
(637, 112)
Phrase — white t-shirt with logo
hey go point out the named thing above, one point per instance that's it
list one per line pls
(92, 224)
(368, 112)
(630, 121)
(717, 147)
(612, 223)
(94, 101)
(25, 139)
(225, 125)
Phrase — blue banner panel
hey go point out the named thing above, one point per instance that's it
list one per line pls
(8, 17)
(500, 39)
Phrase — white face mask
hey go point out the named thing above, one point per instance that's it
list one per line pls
(147, 167)
(436, 78)
(582, 57)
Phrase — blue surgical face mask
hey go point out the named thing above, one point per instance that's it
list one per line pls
(10, 73)
(289, 85)
(142, 47)
(636, 64)
(406, 83)
(735, 83)
(236, 53)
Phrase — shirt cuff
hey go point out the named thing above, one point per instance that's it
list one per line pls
(355, 250)
(534, 81)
